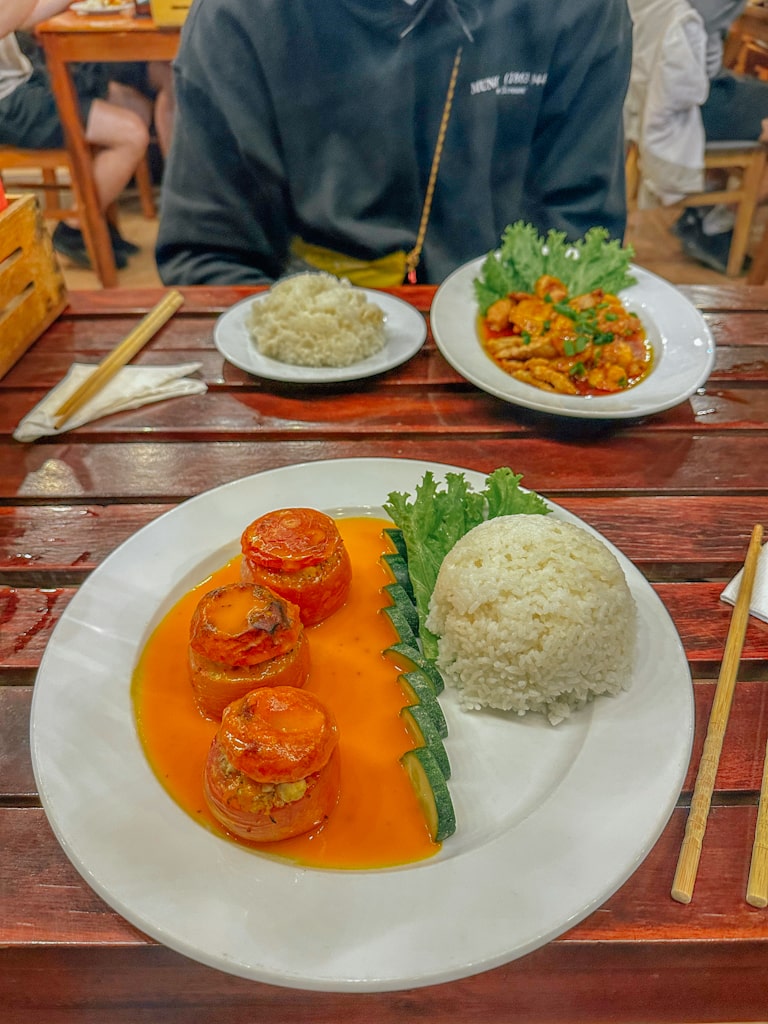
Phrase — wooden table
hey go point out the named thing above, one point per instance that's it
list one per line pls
(70, 38)
(678, 494)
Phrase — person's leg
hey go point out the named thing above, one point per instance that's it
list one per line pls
(121, 138)
(161, 79)
(146, 88)
(736, 110)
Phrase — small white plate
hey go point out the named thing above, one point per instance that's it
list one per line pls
(404, 327)
(551, 820)
(88, 7)
(683, 350)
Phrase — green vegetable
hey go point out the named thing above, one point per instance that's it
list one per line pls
(432, 792)
(423, 731)
(396, 539)
(400, 623)
(398, 569)
(408, 658)
(435, 519)
(418, 688)
(594, 261)
(399, 597)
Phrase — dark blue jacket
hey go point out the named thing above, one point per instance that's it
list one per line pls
(318, 118)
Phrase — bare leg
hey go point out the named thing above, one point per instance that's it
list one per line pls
(161, 77)
(121, 138)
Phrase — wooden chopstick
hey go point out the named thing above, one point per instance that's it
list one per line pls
(757, 884)
(119, 356)
(690, 852)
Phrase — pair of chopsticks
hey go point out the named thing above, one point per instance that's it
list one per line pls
(690, 852)
(119, 356)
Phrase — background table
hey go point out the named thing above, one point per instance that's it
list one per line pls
(68, 39)
(677, 493)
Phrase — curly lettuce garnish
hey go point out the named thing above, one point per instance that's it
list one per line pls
(435, 519)
(594, 261)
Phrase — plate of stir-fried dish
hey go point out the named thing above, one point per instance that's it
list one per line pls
(571, 329)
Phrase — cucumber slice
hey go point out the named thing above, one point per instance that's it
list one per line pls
(408, 657)
(400, 623)
(418, 689)
(399, 597)
(431, 790)
(396, 538)
(398, 568)
(419, 724)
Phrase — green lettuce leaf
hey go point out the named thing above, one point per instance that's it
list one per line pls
(433, 520)
(594, 261)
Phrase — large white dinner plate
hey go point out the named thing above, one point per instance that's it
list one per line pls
(683, 350)
(551, 820)
(405, 331)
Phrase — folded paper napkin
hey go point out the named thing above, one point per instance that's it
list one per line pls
(758, 606)
(131, 387)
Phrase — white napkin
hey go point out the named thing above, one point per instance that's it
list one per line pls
(131, 387)
(759, 604)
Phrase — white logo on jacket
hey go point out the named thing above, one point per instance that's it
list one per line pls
(514, 83)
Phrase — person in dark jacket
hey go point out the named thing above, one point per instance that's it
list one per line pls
(306, 133)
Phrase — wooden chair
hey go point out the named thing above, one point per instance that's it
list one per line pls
(49, 165)
(743, 161)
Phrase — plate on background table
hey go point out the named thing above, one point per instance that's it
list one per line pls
(97, 7)
(683, 350)
(405, 331)
(551, 820)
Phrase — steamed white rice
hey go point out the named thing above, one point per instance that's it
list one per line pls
(532, 614)
(316, 319)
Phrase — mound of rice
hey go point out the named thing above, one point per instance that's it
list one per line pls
(532, 614)
(316, 319)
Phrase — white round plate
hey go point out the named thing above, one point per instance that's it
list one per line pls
(87, 7)
(404, 327)
(551, 820)
(683, 350)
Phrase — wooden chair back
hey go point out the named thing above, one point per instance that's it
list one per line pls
(744, 164)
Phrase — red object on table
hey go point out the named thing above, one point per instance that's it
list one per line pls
(3, 197)
(678, 493)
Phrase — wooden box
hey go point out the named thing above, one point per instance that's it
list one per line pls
(169, 12)
(32, 288)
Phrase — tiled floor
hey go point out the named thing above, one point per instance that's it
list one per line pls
(656, 248)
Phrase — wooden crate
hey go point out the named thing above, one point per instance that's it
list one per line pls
(169, 12)
(32, 288)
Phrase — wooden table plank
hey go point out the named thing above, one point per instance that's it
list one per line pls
(226, 415)
(625, 462)
(582, 983)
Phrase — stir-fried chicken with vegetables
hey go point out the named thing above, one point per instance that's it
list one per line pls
(585, 345)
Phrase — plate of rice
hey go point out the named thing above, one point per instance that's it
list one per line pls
(314, 328)
(551, 819)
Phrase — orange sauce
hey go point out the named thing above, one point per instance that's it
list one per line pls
(640, 346)
(377, 821)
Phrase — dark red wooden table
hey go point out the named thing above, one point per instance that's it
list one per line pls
(678, 493)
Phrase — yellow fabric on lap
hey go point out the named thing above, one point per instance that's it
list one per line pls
(384, 272)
